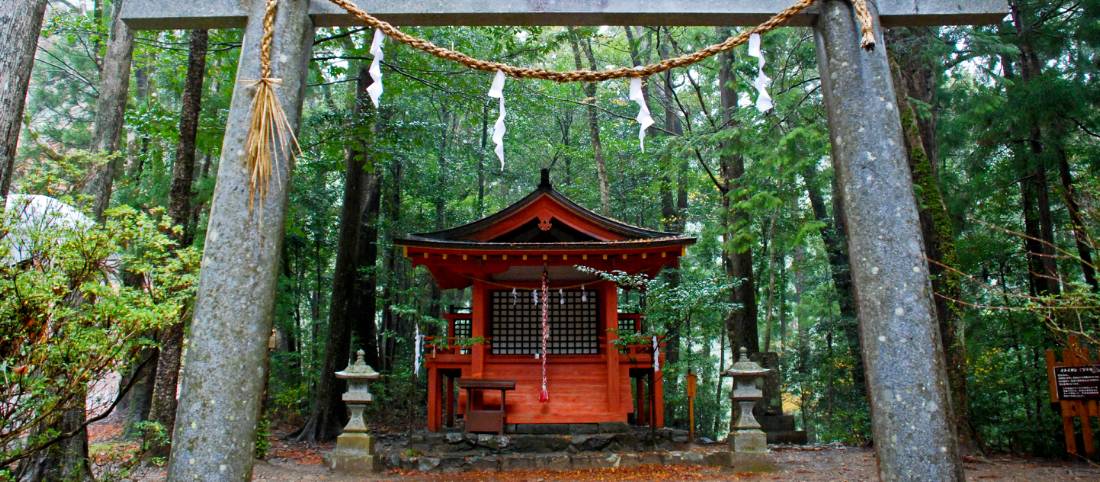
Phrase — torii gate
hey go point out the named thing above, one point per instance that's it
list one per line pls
(226, 361)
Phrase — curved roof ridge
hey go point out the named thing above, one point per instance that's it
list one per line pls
(462, 233)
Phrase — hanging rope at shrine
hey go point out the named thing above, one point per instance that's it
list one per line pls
(544, 392)
(271, 132)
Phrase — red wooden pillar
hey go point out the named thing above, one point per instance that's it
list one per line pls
(433, 399)
(451, 401)
(658, 392)
(610, 300)
(478, 327)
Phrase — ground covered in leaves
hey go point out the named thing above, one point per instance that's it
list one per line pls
(293, 462)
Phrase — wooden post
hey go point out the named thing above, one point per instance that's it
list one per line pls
(692, 382)
(433, 399)
(479, 319)
(451, 400)
(226, 363)
(658, 391)
(610, 300)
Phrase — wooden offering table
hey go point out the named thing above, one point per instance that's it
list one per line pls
(481, 419)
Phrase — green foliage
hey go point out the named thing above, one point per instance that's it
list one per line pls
(68, 293)
(263, 438)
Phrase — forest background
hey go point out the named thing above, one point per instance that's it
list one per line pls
(1002, 132)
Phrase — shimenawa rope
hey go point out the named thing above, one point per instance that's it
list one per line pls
(270, 130)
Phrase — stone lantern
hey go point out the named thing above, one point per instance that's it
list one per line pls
(355, 447)
(748, 443)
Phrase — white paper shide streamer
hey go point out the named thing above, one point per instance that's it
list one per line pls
(763, 100)
(496, 91)
(418, 339)
(375, 70)
(656, 355)
(643, 118)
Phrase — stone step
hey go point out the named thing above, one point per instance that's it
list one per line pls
(480, 444)
(473, 444)
(776, 423)
(794, 437)
(553, 460)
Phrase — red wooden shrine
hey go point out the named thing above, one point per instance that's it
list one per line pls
(502, 257)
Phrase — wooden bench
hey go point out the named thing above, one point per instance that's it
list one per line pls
(485, 419)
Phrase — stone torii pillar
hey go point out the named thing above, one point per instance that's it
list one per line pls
(226, 366)
(904, 359)
(226, 361)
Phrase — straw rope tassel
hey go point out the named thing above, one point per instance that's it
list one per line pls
(866, 24)
(270, 132)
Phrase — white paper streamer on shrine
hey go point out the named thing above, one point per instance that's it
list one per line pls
(375, 70)
(643, 117)
(763, 100)
(417, 340)
(496, 91)
(656, 355)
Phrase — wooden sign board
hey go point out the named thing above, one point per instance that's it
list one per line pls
(1074, 382)
(1078, 383)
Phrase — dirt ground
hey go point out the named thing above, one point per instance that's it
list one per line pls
(299, 462)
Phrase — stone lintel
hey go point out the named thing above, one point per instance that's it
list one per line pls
(174, 14)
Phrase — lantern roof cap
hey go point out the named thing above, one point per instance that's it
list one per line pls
(359, 370)
(745, 368)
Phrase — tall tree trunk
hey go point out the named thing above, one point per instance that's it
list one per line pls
(66, 460)
(801, 334)
(1080, 235)
(1035, 196)
(327, 415)
(593, 118)
(364, 292)
(22, 20)
(770, 254)
(163, 409)
(72, 454)
(835, 239)
(913, 80)
(179, 203)
(114, 87)
(737, 257)
(449, 121)
(390, 321)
